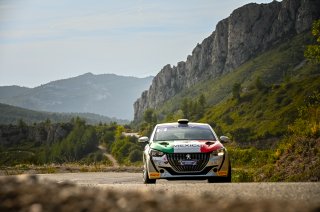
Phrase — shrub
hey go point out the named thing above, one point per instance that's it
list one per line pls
(228, 120)
(135, 155)
(242, 134)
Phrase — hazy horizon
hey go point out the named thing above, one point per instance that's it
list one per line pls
(44, 41)
(74, 77)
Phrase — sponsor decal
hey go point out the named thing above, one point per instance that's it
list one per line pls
(186, 147)
(222, 173)
(154, 175)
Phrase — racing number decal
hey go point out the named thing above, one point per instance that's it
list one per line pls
(154, 175)
(222, 173)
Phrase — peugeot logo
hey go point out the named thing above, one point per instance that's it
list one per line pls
(188, 156)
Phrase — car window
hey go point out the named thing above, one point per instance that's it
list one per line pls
(165, 133)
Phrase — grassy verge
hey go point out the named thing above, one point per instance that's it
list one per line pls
(295, 159)
(64, 168)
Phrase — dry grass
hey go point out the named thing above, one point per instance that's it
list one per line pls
(64, 168)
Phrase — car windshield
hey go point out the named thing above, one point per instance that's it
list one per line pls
(165, 133)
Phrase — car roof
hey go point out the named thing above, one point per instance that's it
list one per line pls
(177, 124)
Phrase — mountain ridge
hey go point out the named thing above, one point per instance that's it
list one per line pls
(247, 32)
(12, 115)
(88, 93)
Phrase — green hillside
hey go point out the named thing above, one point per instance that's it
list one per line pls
(273, 84)
(269, 106)
(11, 115)
(106, 94)
(73, 142)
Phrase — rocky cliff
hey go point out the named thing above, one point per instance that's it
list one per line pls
(248, 31)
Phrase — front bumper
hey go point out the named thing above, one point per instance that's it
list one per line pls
(201, 168)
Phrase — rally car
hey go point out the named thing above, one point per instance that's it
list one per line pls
(185, 150)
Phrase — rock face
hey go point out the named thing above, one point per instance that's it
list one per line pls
(248, 31)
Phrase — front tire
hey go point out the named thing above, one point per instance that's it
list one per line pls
(146, 179)
(221, 179)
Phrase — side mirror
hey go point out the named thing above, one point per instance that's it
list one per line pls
(143, 139)
(224, 139)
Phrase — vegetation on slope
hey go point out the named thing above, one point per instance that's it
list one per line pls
(74, 141)
(265, 82)
(269, 106)
(313, 51)
(295, 157)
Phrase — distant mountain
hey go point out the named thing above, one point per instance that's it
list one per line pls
(11, 115)
(106, 94)
(12, 91)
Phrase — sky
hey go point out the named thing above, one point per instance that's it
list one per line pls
(47, 40)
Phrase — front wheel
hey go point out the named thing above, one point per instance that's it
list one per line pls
(146, 179)
(221, 179)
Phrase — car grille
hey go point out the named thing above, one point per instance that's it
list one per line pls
(200, 161)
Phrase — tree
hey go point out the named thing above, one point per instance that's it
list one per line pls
(202, 101)
(178, 115)
(308, 122)
(150, 120)
(185, 107)
(149, 116)
(81, 141)
(22, 124)
(202, 105)
(312, 52)
(193, 110)
(135, 155)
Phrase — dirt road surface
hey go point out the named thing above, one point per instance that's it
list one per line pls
(109, 156)
(308, 193)
(123, 191)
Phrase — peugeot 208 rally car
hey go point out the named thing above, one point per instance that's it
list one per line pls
(185, 151)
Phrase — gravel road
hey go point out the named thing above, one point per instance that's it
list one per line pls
(304, 193)
(122, 191)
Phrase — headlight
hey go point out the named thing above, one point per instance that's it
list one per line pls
(219, 152)
(156, 153)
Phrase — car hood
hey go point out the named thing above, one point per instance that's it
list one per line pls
(188, 146)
